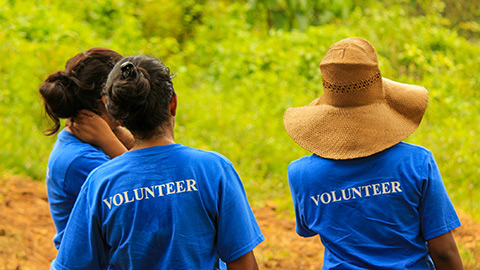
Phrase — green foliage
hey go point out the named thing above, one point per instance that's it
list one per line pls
(239, 67)
(298, 14)
(175, 19)
(463, 15)
(37, 40)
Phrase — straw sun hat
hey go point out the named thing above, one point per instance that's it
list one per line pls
(360, 113)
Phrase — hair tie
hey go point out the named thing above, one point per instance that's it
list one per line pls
(128, 70)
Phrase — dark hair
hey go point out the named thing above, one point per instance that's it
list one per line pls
(78, 87)
(139, 91)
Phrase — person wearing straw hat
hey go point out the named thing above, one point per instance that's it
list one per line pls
(376, 202)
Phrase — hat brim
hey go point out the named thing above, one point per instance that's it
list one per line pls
(353, 132)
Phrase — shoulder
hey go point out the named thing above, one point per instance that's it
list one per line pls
(305, 168)
(70, 147)
(409, 151)
(88, 160)
(404, 146)
(72, 156)
(306, 162)
(203, 156)
(81, 166)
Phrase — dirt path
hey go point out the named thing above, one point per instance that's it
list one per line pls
(26, 231)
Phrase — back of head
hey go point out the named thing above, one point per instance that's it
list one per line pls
(139, 91)
(79, 86)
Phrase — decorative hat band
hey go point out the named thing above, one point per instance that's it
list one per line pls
(351, 87)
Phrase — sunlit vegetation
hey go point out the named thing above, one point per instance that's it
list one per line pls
(240, 64)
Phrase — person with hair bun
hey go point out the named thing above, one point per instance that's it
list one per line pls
(162, 205)
(87, 141)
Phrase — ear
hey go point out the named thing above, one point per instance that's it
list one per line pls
(173, 105)
(104, 100)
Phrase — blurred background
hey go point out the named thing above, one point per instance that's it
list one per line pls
(239, 65)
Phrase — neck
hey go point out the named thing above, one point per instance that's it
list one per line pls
(164, 139)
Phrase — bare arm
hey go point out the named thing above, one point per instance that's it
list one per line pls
(246, 262)
(91, 128)
(444, 252)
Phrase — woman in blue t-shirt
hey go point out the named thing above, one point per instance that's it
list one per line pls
(375, 201)
(161, 205)
(75, 94)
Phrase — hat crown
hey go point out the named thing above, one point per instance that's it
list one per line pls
(350, 74)
(351, 51)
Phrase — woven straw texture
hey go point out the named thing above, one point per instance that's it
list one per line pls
(360, 113)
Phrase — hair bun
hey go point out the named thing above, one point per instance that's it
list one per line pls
(55, 91)
(136, 80)
(59, 77)
(128, 70)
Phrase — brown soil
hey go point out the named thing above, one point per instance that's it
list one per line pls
(26, 230)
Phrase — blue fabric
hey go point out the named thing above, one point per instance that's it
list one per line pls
(69, 164)
(375, 212)
(164, 207)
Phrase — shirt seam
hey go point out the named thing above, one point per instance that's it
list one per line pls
(245, 249)
(445, 229)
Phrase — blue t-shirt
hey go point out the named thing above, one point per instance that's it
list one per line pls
(163, 207)
(69, 164)
(375, 212)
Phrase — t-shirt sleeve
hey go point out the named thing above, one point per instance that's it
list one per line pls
(237, 230)
(300, 226)
(82, 246)
(79, 170)
(437, 213)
